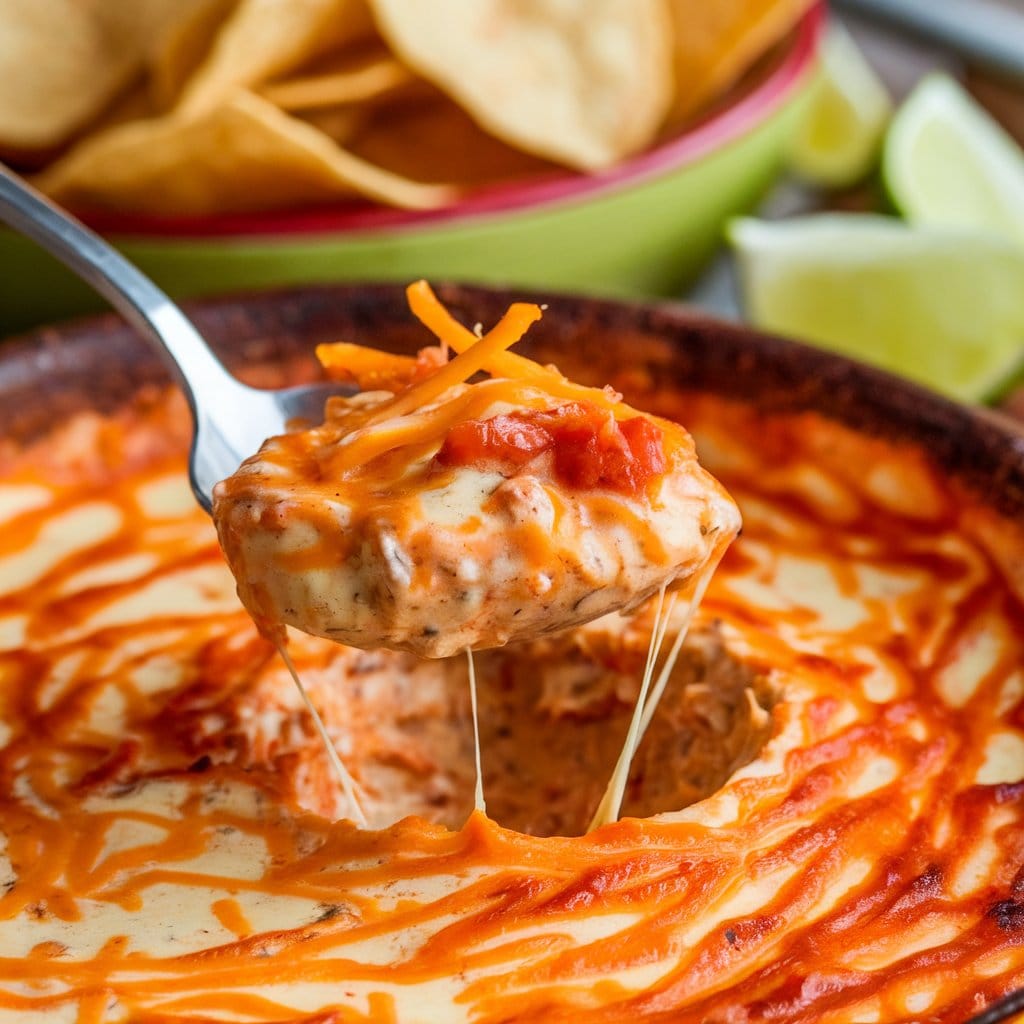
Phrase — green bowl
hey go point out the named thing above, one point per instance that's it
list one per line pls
(643, 228)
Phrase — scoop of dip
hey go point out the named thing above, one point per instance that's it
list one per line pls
(432, 514)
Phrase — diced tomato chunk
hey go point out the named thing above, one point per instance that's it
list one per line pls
(579, 460)
(590, 448)
(645, 440)
(509, 439)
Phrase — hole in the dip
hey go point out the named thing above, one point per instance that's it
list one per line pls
(553, 715)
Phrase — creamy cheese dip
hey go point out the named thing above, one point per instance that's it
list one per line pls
(829, 802)
(496, 512)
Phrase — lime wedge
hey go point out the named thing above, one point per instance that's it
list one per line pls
(839, 138)
(947, 162)
(942, 306)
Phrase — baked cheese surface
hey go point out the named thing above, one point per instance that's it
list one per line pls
(825, 820)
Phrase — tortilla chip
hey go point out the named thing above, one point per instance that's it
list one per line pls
(191, 107)
(581, 82)
(356, 79)
(264, 39)
(177, 52)
(425, 136)
(244, 155)
(716, 42)
(340, 124)
(61, 63)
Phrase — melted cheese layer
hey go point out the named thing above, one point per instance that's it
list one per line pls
(169, 849)
(392, 549)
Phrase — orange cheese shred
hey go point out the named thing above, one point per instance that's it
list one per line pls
(510, 328)
(407, 419)
(387, 428)
(424, 426)
(431, 312)
(369, 368)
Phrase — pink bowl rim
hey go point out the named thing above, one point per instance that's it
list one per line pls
(715, 131)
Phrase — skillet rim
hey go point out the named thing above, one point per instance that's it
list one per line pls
(99, 363)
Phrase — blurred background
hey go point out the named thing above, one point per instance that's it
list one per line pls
(848, 173)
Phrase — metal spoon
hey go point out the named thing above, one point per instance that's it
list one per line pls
(231, 420)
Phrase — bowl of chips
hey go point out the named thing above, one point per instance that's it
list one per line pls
(240, 143)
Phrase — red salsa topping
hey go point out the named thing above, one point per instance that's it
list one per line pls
(589, 447)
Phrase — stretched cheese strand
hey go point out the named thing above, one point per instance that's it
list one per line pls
(611, 803)
(478, 797)
(700, 586)
(348, 784)
(647, 705)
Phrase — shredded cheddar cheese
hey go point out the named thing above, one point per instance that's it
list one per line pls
(435, 317)
(382, 428)
(370, 368)
(512, 326)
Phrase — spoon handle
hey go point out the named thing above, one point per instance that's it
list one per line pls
(126, 288)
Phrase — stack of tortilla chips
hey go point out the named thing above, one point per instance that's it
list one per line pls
(194, 107)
